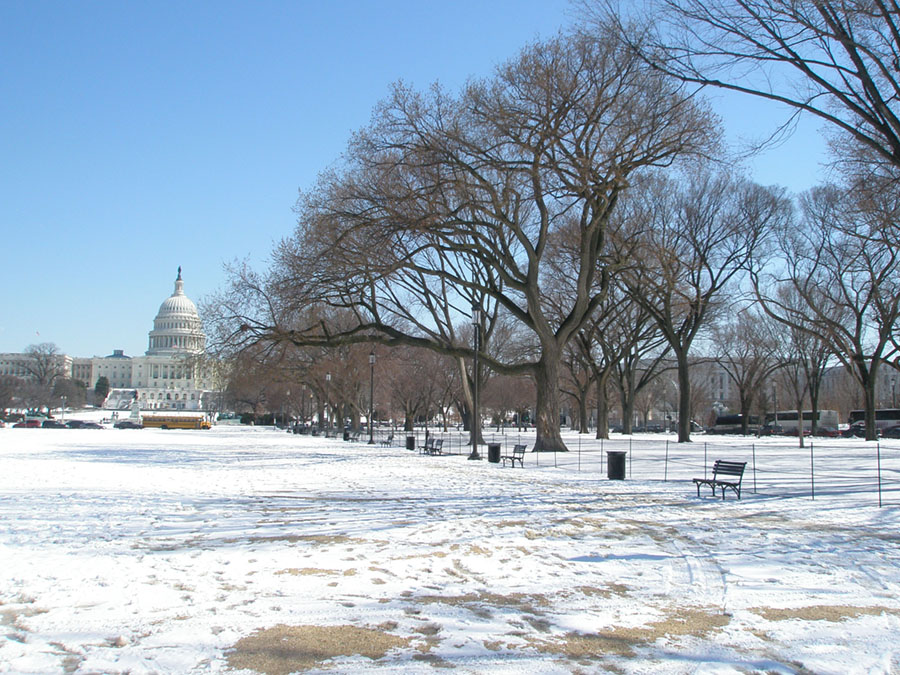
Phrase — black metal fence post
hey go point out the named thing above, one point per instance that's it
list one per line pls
(630, 455)
(754, 468)
(666, 465)
(812, 471)
(878, 455)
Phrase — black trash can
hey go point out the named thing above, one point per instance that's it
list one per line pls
(494, 453)
(346, 434)
(615, 464)
(410, 442)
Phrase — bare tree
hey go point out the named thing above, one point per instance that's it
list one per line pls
(689, 241)
(44, 366)
(10, 390)
(448, 201)
(620, 344)
(577, 380)
(746, 349)
(808, 356)
(638, 352)
(836, 61)
(74, 391)
(839, 280)
(247, 385)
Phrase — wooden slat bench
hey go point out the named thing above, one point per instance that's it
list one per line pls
(426, 449)
(437, 448)
(387, 442)
(725, 475)
(518, 455)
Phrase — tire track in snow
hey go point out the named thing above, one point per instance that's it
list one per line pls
(705, 577)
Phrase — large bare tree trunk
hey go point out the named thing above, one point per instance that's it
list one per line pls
(468, 399)
(582, 414)
(602, 407)
(869, 393)
(546, 379)
(684, 397)
(628, 415)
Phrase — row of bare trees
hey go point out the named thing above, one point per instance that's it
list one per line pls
(579, 198)
(332, 386)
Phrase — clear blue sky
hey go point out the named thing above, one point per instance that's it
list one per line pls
(139, 136)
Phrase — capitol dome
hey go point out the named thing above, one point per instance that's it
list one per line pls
(177, 328)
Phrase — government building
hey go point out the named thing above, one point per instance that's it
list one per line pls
(173, 374)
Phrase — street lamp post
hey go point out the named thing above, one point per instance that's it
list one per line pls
(476, 323)
(327, 392)
(371, 393)
(62, 412)
(775, 403)
(893, 392)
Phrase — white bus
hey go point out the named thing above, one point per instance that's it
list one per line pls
(884, 417)
(787, 420)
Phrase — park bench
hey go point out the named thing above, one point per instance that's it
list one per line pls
(426, 449)
(518, 455)
(388, 441)
(437, 448)
(725, 475)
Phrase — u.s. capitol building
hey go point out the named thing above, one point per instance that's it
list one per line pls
(171, 375)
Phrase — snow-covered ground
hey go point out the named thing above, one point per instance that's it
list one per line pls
(255, 550)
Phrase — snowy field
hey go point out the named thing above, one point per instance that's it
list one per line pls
(252, 550)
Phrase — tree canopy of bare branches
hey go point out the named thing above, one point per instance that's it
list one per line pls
(687, 242)
(839, 280)
(838, 61)
(448, 201)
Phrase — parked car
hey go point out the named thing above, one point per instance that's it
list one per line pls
(857, 430)
(828, 432)
(128, 424)
(82, 424)
(53, 424)
(27, 424)
(891, 432)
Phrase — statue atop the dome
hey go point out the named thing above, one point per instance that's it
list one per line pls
(179, 273)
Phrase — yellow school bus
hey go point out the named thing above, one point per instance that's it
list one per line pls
(175, 422)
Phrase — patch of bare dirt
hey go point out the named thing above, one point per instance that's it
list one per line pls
(834, 613)
(283, 649)
(308, 571)
(622, 641)
(519, 601)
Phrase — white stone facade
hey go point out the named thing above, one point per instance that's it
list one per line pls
(18, 364)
